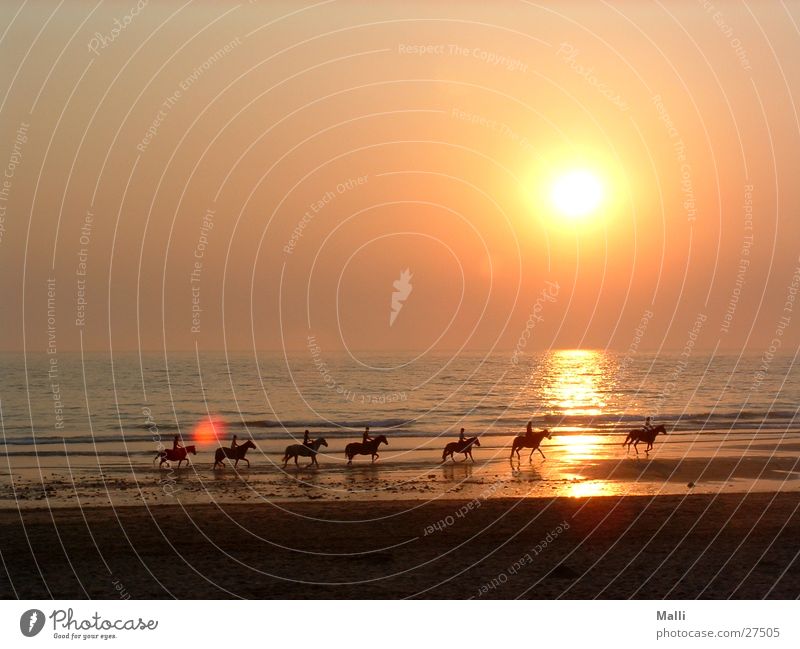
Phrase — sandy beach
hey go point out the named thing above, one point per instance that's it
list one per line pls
(703, 546)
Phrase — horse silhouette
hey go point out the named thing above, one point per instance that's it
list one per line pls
(370, 448)
(295, 450)
(641, 435)
(173, 454)
(464, 447)
(529, 441)
(236, 454)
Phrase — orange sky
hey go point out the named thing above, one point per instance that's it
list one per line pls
(392, 136)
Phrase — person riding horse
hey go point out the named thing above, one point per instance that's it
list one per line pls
(530, 440)
(307, 441)
(366, 436)
(234, 443)
(176, 443)
(463, 445)
(647, 433)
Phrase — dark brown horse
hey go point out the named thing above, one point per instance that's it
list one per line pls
(236, 454)
(175, 455)
(641, 435)
(370, 448)
(295, 450)
(530, 441)
(464, 447)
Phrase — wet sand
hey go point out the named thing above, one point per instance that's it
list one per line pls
(730, 545)
(411, 469)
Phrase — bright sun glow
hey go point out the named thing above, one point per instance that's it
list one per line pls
(577, 193)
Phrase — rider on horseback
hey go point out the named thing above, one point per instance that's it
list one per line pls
(648, 426)
(461, 436)
(366, 436)
(307, 441)
(176, 443)
(529, 430)
(234, 443)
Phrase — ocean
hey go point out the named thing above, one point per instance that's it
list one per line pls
(126, 404)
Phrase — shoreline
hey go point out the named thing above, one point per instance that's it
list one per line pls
(698, 545)
(582, 465)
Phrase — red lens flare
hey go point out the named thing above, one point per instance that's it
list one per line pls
(209, 429)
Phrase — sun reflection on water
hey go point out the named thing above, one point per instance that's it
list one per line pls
(575, 382)
(590, 488)
(579, 448)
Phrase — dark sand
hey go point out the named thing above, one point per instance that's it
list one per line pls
(615, 547)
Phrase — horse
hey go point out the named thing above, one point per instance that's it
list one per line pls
(295, 450)
(531, 441)
(237, 454)
(641, 435)
(173, 454)
(370, 448)
(464, 447)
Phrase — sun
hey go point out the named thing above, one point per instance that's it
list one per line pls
(577, 194)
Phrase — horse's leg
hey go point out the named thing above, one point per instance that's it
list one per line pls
(248, 462)
(539, 448)
(636, 446)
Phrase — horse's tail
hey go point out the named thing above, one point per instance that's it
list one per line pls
(626, 439)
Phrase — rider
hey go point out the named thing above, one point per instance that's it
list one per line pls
(176, 443)
(366, 437)
(529, 430)
(234, 443)
(648, 425)
(461, 436)
(307, 439)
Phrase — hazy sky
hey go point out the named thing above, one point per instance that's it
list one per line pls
(298, 157)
